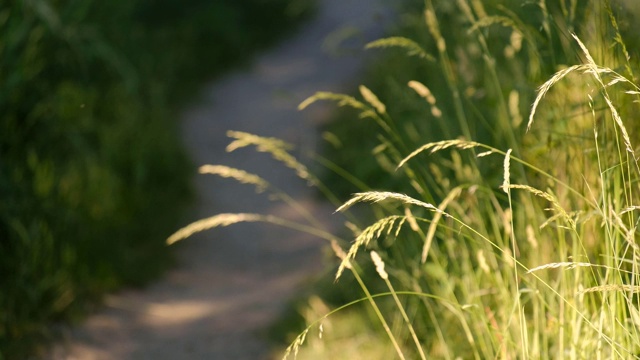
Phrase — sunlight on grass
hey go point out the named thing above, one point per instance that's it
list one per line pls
(347, 336)
(503, 240)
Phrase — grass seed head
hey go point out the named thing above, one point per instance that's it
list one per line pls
(372, 99)
(237, 174)
(219, 220)
(377, 261)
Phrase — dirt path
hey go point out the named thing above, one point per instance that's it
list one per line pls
(232, 283)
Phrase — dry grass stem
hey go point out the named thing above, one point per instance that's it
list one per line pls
(219, 220)
(629, 209)
(244, 139)
(441, 145)
(434, 29)
(277, 148)
(425, 93)
(370, 233)
(623, 129)
(493, 20)
(584, 50)
(606, 288)
(295, 346)
(545, 195)
(372, 99)
(377, 261)
(514, 108)
(377, 196)
(339, 252)
(237, 174)
(544, 88)
(411, 219)
(342, 100)
(506, 166)
(412, 47)
(453, 194)
(567, 264)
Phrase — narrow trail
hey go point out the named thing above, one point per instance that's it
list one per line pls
(231, 283)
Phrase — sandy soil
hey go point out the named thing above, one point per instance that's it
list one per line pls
(231, 283)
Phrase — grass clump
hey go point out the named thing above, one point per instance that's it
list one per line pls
(515, 236)
(522, 244)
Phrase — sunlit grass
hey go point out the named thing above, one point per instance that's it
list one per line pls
(510, 239)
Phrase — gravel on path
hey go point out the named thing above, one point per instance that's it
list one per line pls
(231, 283)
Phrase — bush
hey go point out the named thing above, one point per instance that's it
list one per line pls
(92, 174)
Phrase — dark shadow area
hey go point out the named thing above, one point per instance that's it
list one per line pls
(93, 174)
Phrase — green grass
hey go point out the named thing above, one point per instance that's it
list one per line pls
(474, 253)
(506, 139)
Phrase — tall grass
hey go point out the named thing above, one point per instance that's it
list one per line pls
(515, 236)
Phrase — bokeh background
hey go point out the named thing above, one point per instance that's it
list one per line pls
(93, 176)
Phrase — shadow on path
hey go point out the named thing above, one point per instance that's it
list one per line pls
(233, 282)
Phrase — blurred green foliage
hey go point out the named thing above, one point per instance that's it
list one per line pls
(92, 173)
